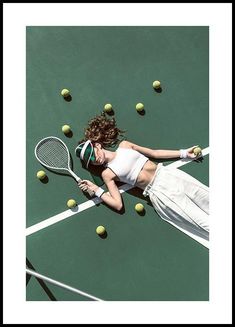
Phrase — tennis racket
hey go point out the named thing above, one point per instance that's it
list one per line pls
(52, 153)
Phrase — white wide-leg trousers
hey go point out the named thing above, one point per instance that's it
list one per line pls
(180, 199)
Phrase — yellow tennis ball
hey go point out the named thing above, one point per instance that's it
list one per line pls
(139, 207)
(108, 107)
(41, 174)
(66, 129)
(65, 93)
(71, 203)
(100, 230)
(139, 107)
(156, 84)
(197, 151)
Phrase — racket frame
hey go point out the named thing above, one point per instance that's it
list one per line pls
(78, 179)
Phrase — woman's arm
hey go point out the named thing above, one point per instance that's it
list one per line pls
(157, 154)
(112, 197)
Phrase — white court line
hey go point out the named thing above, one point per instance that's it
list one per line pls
(90, 203)
(55, 282)
(70, 212)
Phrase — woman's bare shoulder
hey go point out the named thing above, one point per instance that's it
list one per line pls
(125, 144)
(107, 174)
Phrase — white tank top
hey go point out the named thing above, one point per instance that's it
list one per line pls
(127, 165)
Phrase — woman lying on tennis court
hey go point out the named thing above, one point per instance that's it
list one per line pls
(176, 196)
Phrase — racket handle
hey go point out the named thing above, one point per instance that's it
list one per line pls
(78, 179)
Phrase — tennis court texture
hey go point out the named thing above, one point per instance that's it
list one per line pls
(143, 258)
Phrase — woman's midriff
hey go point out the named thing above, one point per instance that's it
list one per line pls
(146, 174)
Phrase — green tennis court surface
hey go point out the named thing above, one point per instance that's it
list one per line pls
(142, 257)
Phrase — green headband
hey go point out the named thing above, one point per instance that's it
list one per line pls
(85, 151)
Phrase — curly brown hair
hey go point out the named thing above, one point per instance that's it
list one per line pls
(103, 130)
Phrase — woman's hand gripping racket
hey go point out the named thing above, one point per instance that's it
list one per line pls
(52, 153)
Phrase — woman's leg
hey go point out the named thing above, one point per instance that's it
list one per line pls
(195, 190)
(180, 198)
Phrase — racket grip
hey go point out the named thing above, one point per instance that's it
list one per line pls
(91, 193)
(78, 180)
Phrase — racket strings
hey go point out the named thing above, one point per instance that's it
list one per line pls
(53, 153)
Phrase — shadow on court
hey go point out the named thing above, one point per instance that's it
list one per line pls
(68, 98)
